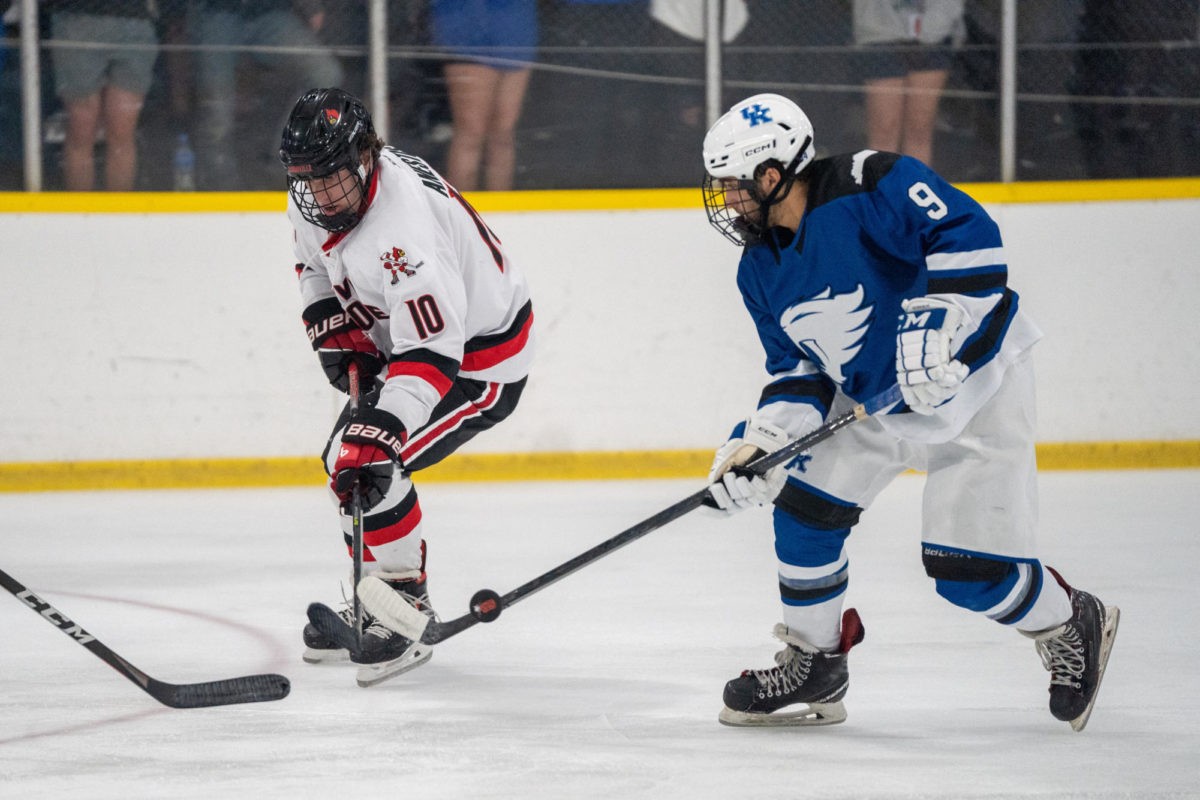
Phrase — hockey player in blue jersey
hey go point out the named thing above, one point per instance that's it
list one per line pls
(864, 271)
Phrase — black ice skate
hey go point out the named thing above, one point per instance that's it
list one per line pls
(1076, 653)
(385, 653)
(803, 674)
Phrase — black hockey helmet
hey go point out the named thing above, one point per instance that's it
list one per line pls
(328, 130)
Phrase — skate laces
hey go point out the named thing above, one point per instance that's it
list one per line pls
(1063, 656)
(792, 666)
(378, 629)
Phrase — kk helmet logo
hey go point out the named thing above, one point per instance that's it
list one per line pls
(395, 261)
(757, 114)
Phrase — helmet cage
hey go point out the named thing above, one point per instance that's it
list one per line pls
(748, 227)
(326, 133)
(734, 226)
(350, 191)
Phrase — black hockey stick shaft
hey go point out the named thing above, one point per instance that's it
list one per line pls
(246, 689)
(439, 631)
(356, 520)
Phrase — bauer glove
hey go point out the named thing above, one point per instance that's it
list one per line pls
(340, 342)
(926, 373)
(367, 457)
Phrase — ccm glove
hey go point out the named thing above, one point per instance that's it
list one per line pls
(339, 342)
(367, 457)
(926, 373)
(732, 485)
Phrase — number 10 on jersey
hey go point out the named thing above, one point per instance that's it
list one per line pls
(425, 315)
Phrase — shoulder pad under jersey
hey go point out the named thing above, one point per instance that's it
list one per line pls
(850, 173)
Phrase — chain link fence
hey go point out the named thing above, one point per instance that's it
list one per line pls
(607, 93)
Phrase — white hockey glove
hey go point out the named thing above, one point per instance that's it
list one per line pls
(926, 373)
(733, 487)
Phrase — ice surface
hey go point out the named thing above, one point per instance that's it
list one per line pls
(606, 684)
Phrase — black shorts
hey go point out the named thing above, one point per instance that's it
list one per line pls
(897, 59)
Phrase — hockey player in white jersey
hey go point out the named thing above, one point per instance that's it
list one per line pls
(861, 272)
(400, 276)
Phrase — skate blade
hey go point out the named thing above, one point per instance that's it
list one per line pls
(313, 656)
(815, 714)
(1112, 618)
(388, 608)
(372, 674)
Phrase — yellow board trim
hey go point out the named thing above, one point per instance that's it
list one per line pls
(223, 473)
(563, 200)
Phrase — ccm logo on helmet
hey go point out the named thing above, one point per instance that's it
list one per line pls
(751, 151)
(374, 433)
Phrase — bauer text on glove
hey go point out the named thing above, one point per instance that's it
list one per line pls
(367, 457)
(340, 342)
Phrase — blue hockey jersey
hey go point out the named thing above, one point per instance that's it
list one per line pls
(878, 228)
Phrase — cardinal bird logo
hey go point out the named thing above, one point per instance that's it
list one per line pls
(395, 261)
(332, 115)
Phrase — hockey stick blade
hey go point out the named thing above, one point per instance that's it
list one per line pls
(246, 689)
(406, 620)
(331, 624)
(388, 607)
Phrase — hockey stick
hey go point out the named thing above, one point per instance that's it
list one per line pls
(247, 689)
(356, 520)
(486, 604)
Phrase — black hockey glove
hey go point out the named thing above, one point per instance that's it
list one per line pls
(367, 457)
(339, 342)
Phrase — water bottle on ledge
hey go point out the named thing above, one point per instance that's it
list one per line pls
(185, 165)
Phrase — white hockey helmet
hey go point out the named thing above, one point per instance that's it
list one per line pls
(762, 127)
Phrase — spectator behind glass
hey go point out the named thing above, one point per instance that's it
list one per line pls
(102, 88)
(906, 69)
(490, 44)
(226, 24)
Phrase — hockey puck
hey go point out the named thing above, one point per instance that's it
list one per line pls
(485, 605)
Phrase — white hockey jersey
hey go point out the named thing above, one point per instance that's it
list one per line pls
(427, 280)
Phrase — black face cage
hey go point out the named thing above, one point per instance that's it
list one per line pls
(733, 226)
(306, 203)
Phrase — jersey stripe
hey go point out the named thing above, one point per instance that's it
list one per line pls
(451, 422)
(816, 390)
(985, 343)
(970, 259)
(436, 370)
(976, 282)
(483, 352)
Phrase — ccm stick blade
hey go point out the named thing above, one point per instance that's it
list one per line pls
(246, 689)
